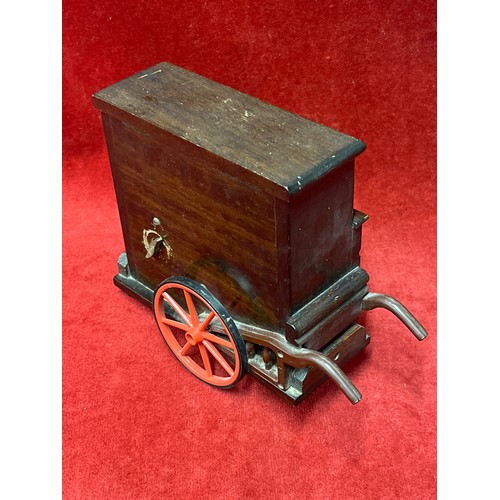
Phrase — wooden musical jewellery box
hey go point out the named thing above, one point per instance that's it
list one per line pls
(240, 231)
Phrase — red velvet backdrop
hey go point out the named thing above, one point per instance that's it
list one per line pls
(136, 424)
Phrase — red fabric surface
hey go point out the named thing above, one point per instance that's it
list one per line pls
(135, 423)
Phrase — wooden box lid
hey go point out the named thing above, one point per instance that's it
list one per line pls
(276, 150)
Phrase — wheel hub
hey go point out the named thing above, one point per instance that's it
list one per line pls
(194, 335)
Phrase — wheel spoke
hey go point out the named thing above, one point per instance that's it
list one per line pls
(218, 356)
(192, 310)
(175, 324)
(185, 349)
(207, 320)
(217, 340)
(206, 360)
(177, 308)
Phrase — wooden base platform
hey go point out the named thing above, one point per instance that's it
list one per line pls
(293, 384)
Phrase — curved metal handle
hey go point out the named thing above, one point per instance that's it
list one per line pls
(334, 372)
(299, 357)
(374, 300)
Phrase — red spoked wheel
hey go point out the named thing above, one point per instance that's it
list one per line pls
(200, 332)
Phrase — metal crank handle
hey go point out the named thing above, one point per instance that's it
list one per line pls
(374, 300)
